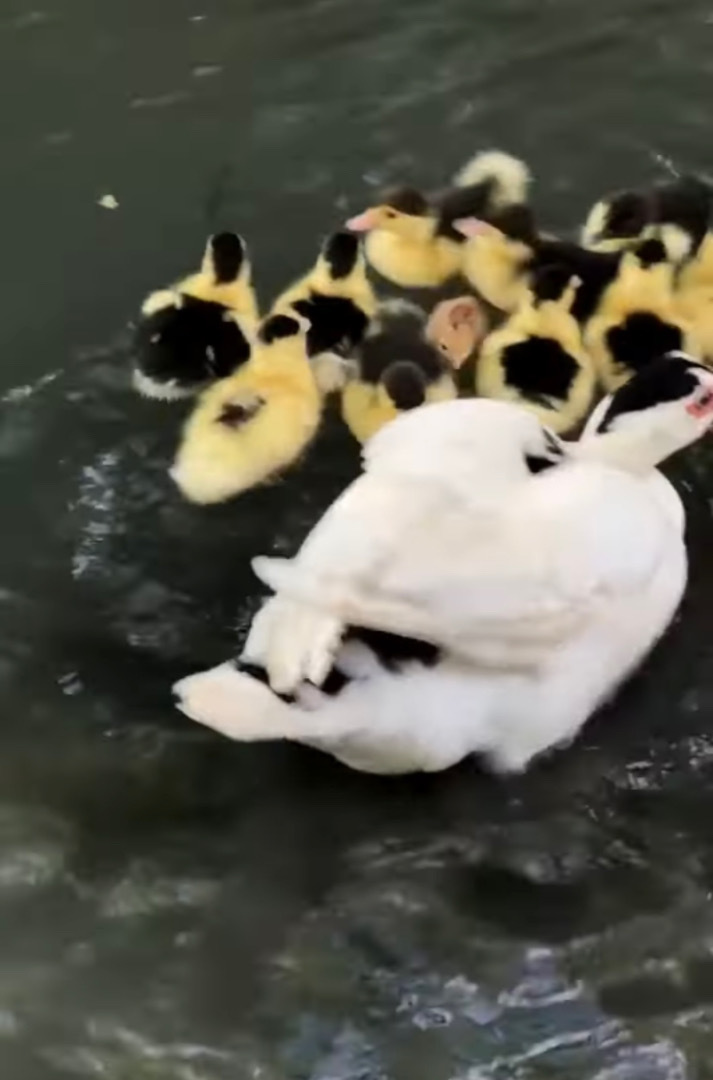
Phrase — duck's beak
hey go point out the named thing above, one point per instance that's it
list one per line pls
(363, 222)
(471, 226)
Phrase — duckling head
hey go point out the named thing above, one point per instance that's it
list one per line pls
(457, 327)
(613, 222)
(405, 385)
(277, 329)
(665, 407)
(226, 259)
(404, 212)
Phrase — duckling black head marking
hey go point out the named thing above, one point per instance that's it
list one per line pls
(540, 369)
(641, 339)
(227, 254)
(650, 253)
(550, 282)
(341, 253)
(277, 327)
(336, 323)
(189, 343)
(406, 200)
(405, 384)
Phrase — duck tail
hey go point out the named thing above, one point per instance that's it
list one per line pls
(509, 176)
(243, 707)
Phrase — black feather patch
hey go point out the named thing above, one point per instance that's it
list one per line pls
(650, 253)
(341, 252)
(550, 282)
(337, 324)
(464, 202)
(627, 215)
(405, 384)
(234, 413)
(402, 338)
(407, 201)
(392, 651)
(517, 222)
(540, 369)
(278, 327)
(642, 338)
(189, 345)
(668, 378)
(686, 202)
(228, 256)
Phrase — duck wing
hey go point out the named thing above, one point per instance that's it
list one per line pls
(507, 589)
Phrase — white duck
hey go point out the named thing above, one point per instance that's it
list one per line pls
(514, 618)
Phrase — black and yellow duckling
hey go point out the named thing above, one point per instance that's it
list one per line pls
(502, 257)
(250, 427)
(411, 240)
(537, 357)
(398, 369)
(199, 329)
(676, 211)
(337, 299)
(694, 297)
(638, 318)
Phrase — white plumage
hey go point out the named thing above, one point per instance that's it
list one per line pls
(541, 591)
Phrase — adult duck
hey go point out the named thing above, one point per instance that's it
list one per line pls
(461, 597)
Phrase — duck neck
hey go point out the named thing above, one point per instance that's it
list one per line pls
(630, 450)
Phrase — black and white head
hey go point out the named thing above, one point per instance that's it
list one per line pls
(226, 258)
(280, 328)
(662, 409)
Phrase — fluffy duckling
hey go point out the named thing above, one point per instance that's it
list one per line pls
(457, 327)
(248, 428)
(199, 329)
(537, 358)
(337, 299)
(503, 255)
(411, 240)
(398, 369)
(677, 211)
(638, 319)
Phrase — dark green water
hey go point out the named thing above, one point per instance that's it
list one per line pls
(176, 907)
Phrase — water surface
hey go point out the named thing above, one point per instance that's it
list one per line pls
(176, 907)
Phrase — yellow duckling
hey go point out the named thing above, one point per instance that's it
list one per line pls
(200, 329)
(250, 427)
(398, 369)
(694, 296)
(537, 358)
(411, 240)
(337, 299)
(638, 318)
(498, 255)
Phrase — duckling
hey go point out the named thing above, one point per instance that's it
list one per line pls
(411, 240)
(694, 296)
(199, 329)
(337, 299)
(502, 256)
(638, 319)
(457, 327)
(250, 427)
(397, 369)
(537, 358)
(676, 211)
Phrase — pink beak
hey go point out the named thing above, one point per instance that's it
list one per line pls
(362, 222)
(471, 226)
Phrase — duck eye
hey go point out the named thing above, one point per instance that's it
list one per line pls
(390, 213)
(706, 398)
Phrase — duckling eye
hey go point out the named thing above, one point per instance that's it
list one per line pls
(390, 213)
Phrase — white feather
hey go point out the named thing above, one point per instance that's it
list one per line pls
(512, 176)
